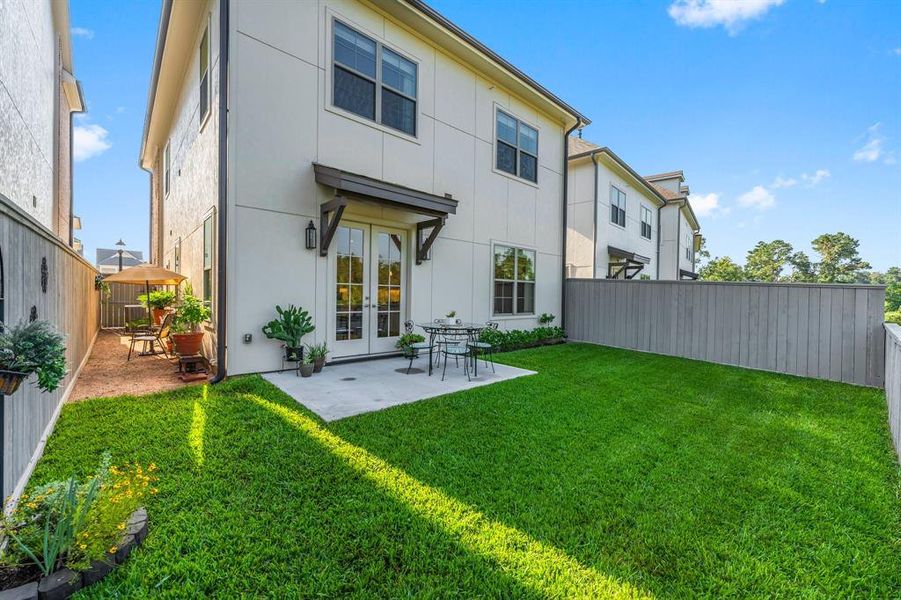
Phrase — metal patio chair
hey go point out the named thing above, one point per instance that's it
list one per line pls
(415, 347)
(456, 344)
(484, 349)
(152, 338)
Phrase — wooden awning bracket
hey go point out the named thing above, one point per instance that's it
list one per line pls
(628, 267)
(327, 227)
(424, 245)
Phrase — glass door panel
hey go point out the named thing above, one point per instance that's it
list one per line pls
(388, 291)
(351, 293)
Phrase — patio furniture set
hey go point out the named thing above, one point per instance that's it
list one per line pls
(452, 337)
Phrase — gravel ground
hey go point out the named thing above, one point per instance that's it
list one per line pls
(108, 373)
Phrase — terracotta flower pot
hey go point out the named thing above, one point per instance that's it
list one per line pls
(158, 315)
(318, 363)
(188, 344)
(10, 380)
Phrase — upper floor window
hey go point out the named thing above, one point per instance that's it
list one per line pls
(617, 206)
(167, 167)
(517, 147)
(514, 281)
(373, 81)
(645, 222)
(204, 75)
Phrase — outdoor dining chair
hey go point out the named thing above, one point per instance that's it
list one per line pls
(415, 347)
(153, 338)
(456, 344)
(484, 349)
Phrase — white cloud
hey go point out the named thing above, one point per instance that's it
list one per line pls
(82, 32)
(783, 182)
(88, 141)
(758, 198)
(873, 149)
(705, 205)
(818, 176)
(896, 51)
(731, 14)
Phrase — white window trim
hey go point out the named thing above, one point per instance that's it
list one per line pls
(495, 108)
(167, 168)
(209, 72)
(641, 211)
(625, 203)
(328, 103)
(513, 315)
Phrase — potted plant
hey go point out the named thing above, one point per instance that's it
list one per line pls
(318, 352)
(406, 340)
(546, 319)
(451, 317)
(158, 302)
(292, 324)
(187, 335)
(307, 365)
(27, 348)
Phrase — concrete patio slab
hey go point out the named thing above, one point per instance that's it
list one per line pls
(349, 389)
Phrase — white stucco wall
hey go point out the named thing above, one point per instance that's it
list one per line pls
(27, 88)
(282, 122)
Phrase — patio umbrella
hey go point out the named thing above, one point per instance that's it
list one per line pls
(148, 275)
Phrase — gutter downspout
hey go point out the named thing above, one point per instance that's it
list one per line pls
(677, 274)
(221, 228)
(72, 113)
(565, 210)
(594, 235)
(657, 260)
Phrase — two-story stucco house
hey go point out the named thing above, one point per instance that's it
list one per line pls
(623, 225)
(432, 171)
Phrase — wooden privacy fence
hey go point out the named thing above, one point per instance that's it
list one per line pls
(893, 381)
(43, 278)
(121, 304)
(813, 330)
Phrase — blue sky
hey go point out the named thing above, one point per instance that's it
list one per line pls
(784, 116)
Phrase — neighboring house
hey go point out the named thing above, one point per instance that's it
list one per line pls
(42, 276)
(625, 226)
(680, 233)
(108, 260)
(432, 170)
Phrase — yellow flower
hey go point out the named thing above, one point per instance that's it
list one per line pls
(113, 549)
(152, 467)
(82, 546)
(121, 526)
(154, 491)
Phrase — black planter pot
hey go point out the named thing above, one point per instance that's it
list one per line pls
(306, 369)
(10, 380)
(293, 354)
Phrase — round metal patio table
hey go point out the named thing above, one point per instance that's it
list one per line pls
(471, 330)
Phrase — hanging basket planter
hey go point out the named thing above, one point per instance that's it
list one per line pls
(10, 380)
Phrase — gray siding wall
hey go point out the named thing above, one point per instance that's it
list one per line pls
(824, 331)
(71, 303)
(893, 381)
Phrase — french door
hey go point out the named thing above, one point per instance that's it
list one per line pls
(368, 299)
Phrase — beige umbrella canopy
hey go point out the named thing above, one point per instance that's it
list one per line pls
(148, 275)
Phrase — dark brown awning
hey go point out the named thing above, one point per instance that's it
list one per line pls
(383, 192)
(631, 256)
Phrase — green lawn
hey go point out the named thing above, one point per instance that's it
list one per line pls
(610, 473)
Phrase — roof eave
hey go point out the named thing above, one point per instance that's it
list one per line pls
(165, 13)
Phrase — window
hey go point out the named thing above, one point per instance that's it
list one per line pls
(208, 259)
(617, 206)
(204, 75)
(373, 81)
(645, 222)
(514, 281)
(517, 147)
(176, 256)
(167, 162)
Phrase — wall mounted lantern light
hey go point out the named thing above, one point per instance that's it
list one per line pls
(311, 236)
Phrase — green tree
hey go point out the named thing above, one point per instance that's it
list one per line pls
(722, 269)
(802, 269)
(766, 260)
(840, 261)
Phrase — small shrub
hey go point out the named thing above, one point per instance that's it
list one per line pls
(159, 299)
(503, 341)
(893, 316)
(74, 524)
(404, 341)
(546, 319)
(191, 313)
